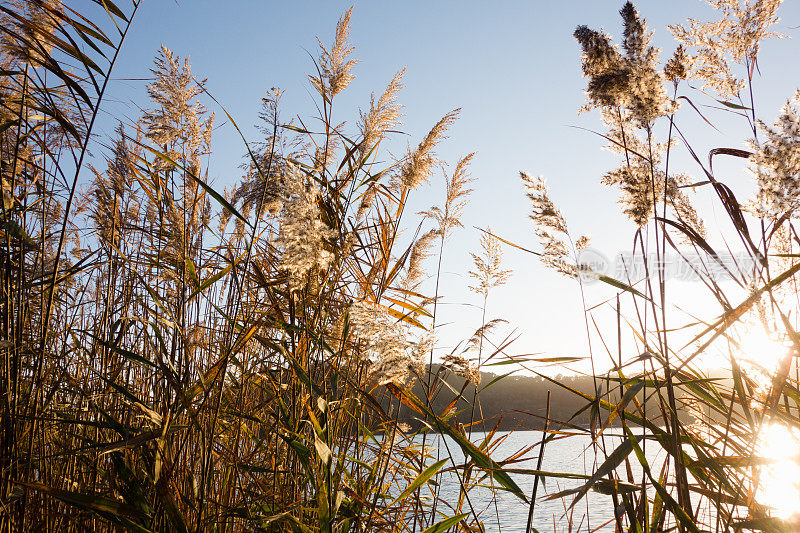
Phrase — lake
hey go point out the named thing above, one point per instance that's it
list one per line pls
(573, 455)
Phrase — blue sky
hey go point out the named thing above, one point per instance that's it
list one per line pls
(513, 68)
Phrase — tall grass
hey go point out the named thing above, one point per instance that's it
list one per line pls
(177, 357)
(732, 468)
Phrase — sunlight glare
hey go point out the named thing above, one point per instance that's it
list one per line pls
(762, 349)
(779, 483)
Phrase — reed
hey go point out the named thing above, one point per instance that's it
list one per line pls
(719, 473)
(181, 358)
(178, 358)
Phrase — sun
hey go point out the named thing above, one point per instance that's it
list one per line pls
(779, 481)
(765, 350)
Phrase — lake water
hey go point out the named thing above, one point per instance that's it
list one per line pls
(573, 454)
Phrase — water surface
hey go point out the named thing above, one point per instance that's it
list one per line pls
(573, 454)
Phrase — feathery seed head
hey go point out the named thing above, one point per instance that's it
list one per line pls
(488, 266)
(335, 66)
(418, 164)
(632, 81)
(176, 120)
(736, 36)
(603, 65)
(583, 242)
(383, 115)
(456, 199)
(419, 252)
(551, 227)
(677, 68)
(635, 38)
(463, 367)
(385, 344)
(545, 213)
(776, 164)
(303, 235)
(265, 193)
(39, 26)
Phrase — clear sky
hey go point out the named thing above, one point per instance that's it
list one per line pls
(513, 68)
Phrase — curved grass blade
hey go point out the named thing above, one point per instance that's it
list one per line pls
(446, 524)
(420, 480)
(481, 459)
